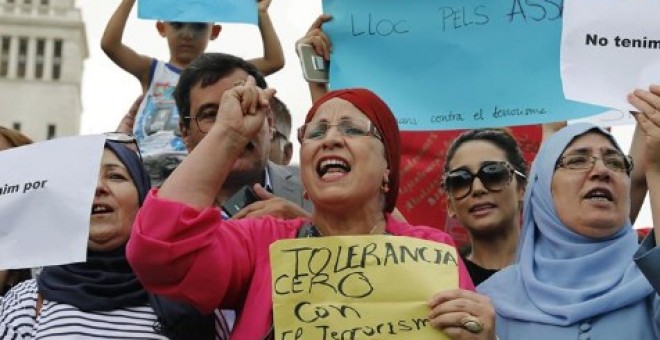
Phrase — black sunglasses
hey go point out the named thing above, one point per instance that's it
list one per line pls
(494, 176)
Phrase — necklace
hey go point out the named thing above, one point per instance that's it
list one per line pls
(316, 232)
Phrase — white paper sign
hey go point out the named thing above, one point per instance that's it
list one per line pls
(46, 195)
(609, 48)
(608, 118)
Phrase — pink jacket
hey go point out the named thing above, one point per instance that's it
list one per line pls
(191, 255)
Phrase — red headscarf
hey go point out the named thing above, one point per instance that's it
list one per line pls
(381, 116)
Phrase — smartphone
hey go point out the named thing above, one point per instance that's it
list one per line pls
(242, 198)
(315, 68)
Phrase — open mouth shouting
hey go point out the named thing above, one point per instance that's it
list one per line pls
(332, 167)
(100, 208)
(599, 194)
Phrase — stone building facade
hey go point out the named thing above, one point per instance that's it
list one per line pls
(42, 49)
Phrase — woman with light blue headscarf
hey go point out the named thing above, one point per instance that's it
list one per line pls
(580, 273)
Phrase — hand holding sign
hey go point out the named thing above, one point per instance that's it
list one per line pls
(357, 287)
(463, 314)
(648, 117)
(263, 5)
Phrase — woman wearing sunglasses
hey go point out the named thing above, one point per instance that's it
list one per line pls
(484, 181)
(349, 165)
(580, 273)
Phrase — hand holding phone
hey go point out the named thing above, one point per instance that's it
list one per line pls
(242, 198)
(315, 68)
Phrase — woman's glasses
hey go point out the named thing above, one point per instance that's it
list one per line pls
(125, 138)
(494, 176)
(617, 162)
(347, 127)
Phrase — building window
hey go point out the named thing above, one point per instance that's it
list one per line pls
(43, 7)
(16, 126)
(22, 57)
(40, 59)
(57, 59)
(51, 131)
(25, 6)
(4, 56)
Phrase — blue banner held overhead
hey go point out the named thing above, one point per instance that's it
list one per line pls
(454, 64)
(236, 11)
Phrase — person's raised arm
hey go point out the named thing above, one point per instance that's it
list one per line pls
(638, 187)
(241, 114)
(273, 59)
(321, 44)
(648, 120)
(111, 43)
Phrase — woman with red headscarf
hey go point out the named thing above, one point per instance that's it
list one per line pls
(349, 163)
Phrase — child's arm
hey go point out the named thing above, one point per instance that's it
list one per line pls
(273, 59)
(136, 64)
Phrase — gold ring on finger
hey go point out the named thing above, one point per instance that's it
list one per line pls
(472, 324)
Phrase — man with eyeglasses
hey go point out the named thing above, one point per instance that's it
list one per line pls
(198, 96)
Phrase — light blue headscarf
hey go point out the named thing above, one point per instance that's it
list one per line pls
(561, 277)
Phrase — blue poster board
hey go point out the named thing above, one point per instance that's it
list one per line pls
(238, 11)
(450, 64)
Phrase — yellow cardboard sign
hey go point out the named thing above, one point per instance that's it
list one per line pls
(358, 287)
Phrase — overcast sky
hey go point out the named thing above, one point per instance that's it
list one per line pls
(108, 91)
